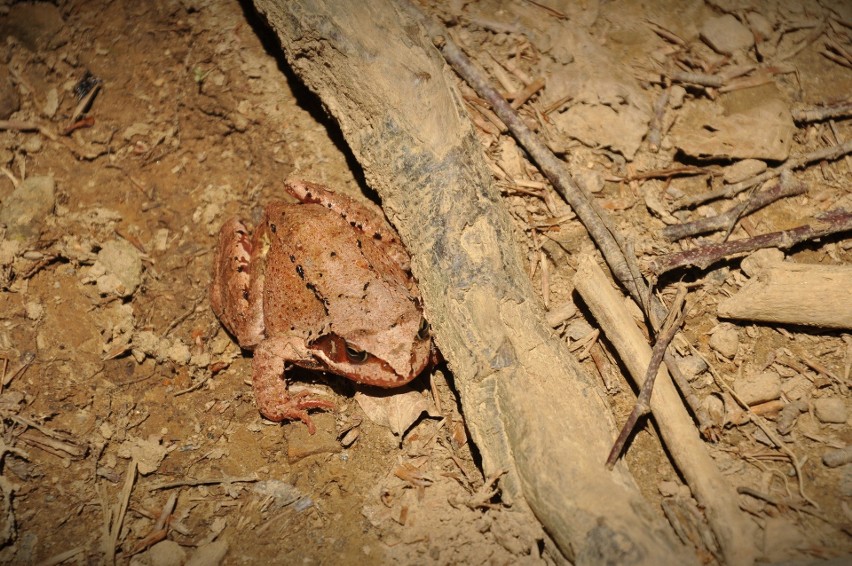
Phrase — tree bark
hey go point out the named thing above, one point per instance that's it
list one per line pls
(530, 408)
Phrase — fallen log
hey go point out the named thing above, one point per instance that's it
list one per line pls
(531, 409)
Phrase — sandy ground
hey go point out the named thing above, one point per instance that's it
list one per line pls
(129, 428)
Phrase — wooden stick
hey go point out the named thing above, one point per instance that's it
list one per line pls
(712, 491)
(833, 222)
(727, 219)
(643, 402)
(793, 293)
(828, 154)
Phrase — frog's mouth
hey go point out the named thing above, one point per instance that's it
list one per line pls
(361, 366)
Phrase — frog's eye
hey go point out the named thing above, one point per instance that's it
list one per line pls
(423, 331)
(356, 356)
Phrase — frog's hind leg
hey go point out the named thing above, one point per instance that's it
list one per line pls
(273, 399)
(236, 294)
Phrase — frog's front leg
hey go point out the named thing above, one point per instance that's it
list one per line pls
(270, 388)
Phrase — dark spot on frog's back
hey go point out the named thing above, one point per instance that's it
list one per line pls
(292, 258)
(273, 227)
(332, 254)
(300, 271)
(377, 236)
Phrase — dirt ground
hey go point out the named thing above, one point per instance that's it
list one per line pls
(129, 430)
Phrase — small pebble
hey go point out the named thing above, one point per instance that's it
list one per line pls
(838, 457)
(210, 554)
(759, 388)
(34, 310)
(726, 34)
(166, 553)
(725, 340)
(692, 365)
(830, 410)
(761, 259)
(742, 170)
(25, 210)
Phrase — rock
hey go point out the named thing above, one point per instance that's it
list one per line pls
(692, 365)
(781, 538)
(10, 101)
(25, 210)
(725, 340)
(39, 26)
(760, 388)
(760, 25)
(34, 310)
(831, 410)
(760, 260)
(837, 457)
(118, 269)
(726, 34)
(210, 554)
(166, 553)
(179, 352)
(148, 452)
(599, 125)
(742, 170)
(755, 125)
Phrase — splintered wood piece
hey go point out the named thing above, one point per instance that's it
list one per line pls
(712, 491)
(795, 293)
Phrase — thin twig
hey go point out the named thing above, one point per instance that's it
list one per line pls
(744, 490)
(820, 113)
(643, 401)
(211, 481)
(119, 512)
(727, 219)
(160, 530)
(832, 222)
(655, 129)
(28, 359)
(827, 154)
(23, 126)
(767, 430)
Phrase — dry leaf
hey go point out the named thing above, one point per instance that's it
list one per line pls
(396, 410)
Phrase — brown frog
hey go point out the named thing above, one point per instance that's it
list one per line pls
(325, 285)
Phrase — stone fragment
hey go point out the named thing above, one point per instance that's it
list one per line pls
(25, 210)
(726, 34)
(118, 269)
(210, 554)
(166, 553)
(755, 389)
(831, 410)
(742, 170)
(725, 340)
